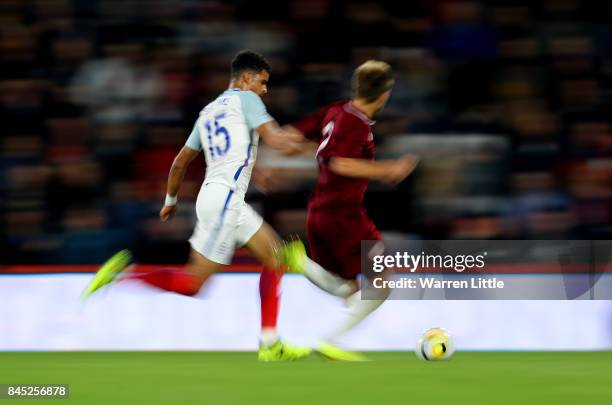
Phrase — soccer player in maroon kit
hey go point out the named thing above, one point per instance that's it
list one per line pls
(337, 219)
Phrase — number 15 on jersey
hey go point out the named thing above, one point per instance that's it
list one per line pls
(218, 136)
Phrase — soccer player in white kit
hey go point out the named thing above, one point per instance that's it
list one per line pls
(228, 132)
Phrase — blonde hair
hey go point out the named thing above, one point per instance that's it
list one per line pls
(371, 79)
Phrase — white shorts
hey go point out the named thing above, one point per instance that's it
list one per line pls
(225, 221)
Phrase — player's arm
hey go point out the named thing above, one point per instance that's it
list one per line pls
(286, 140)
(307, 131)
(310, 125)
(388, 171)
(257, 117)
(177, 172)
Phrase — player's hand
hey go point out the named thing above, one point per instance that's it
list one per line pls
(401, 168)
(293, 141)
(289, 147)
(293, 132)
(286, 145)
(167, 212)
(287, 140)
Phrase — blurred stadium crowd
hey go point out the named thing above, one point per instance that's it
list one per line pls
(507, 103)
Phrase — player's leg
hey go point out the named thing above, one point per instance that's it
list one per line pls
(358, 309)
(256, 235)
(185, 281)
(339, 236)
(269, 295)
(264, 245)
(212, 246)
(269, 285)
(263, 242)
(320, 269)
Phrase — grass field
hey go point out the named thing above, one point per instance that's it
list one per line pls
(237, 378)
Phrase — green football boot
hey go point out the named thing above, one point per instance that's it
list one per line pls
(109, 272)
(335, 353)
(293, 255)
(281, 351)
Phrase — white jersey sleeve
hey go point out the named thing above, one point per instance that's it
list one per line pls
(253, 109)
(193, 142)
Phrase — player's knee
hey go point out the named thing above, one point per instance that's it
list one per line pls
(271, 263)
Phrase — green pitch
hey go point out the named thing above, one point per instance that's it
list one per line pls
(221, 378)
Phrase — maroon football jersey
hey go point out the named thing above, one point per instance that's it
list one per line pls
(341, 131)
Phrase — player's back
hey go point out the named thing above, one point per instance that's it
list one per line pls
(342, 131)
(228, 141)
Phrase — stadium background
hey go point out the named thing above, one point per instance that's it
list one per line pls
(508, 103)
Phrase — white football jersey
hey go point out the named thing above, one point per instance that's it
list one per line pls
(225, 131)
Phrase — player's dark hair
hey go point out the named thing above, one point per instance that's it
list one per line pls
(249, 61)
(372, 79)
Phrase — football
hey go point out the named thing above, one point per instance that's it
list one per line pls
(434, 345)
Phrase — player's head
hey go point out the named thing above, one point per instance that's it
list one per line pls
(251, 71)
(372, 82)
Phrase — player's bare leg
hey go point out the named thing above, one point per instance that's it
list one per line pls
(264, 245)
(199, 268)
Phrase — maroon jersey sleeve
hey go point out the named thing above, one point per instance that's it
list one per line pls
(311, 124)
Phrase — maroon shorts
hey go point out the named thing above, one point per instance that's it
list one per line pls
(334, 239)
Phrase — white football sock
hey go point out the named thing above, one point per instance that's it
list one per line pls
(327, 281)
(268, 336)
(358, 310)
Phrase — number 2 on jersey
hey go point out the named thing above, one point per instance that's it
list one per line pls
(218, 131)
(326, 132)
